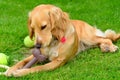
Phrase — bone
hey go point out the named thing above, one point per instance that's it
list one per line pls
(37, 57)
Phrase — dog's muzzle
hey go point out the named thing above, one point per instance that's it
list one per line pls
(38, 45)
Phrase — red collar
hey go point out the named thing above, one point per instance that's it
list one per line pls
(63, 40)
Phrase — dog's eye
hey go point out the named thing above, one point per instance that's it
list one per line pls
(43, 27)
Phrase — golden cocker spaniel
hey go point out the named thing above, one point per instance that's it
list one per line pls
(61, 39)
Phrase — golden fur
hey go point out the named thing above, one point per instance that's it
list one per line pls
(49, 24)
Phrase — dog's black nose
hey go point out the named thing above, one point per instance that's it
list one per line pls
(38, 45)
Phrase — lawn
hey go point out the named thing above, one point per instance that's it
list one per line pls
(88, 65)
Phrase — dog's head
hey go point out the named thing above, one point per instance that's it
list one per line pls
(46, 21)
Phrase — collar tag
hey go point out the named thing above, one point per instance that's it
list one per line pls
(63, 40)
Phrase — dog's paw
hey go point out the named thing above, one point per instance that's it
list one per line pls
(21, 72)
(113, 48)
(108, 48)
(9, 72)
(16, 72)
(104, 48)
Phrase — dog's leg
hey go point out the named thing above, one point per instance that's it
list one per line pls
(49, 66)
(106, 45)
(19, 65)
(110, 34)
(116, 37)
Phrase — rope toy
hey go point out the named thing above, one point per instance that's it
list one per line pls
(5, 67)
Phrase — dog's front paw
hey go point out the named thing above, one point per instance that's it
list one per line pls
(14, 72)
(21, 72)
(9, 72)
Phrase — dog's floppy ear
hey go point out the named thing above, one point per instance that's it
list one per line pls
(59, 21)
(31, 30)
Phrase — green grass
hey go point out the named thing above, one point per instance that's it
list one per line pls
(89, 65)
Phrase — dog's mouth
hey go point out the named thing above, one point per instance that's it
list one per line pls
(38, 45)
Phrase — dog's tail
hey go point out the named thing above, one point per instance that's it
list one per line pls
(110, 34)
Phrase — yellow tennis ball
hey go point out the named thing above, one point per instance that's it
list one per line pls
(28, 42)
(3, 59)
